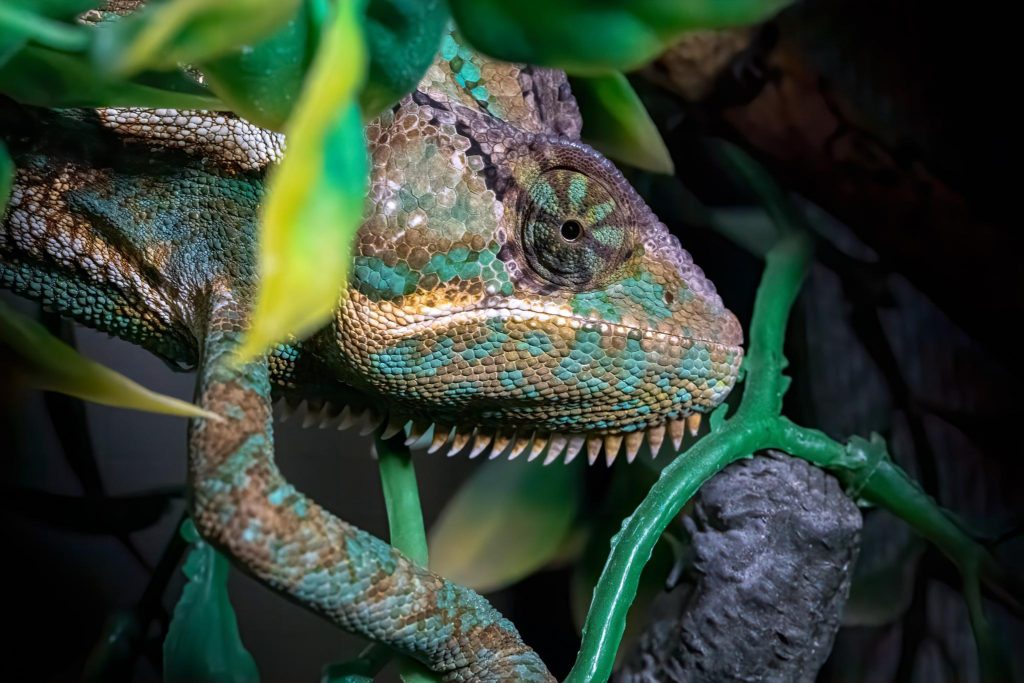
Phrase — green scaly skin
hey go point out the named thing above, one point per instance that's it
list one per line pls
(510, 294)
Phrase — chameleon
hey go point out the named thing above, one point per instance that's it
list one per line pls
(510, 294)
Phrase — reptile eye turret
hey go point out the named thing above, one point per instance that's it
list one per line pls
(574, 232)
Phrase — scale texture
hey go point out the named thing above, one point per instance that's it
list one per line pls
(510, 295)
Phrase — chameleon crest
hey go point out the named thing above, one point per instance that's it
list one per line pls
(510, 287)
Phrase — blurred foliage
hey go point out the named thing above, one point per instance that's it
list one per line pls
(203, 644)
(616, 122)
(48, 363)
(164, 35)
(315, 196)
(588, 37)
(509, 520)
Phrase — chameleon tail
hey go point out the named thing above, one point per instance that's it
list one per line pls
(242, 504)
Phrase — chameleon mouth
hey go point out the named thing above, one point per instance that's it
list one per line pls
(429, 319)
(495, 442)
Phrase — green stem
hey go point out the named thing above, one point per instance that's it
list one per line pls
(633, 545)
(405, 521)
(864, 466)
(785, 269)
(402, 499)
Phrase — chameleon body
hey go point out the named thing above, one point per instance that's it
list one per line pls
(510, 294)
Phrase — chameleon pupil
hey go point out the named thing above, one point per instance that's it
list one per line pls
(571, 231)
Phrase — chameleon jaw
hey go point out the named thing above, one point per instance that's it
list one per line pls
(494, 442)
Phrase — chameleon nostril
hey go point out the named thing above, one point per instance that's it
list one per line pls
(669, 298)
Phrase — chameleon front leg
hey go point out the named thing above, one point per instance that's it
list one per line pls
(243, 505)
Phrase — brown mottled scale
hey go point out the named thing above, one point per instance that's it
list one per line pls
(509, 291)
(467, 304)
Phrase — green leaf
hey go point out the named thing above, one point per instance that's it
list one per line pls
(50, 364)
(586, 37)
(164, 35)
(616, 122)
(262, 82)
(27, 22)
(203, 644)
(62, 10)
(43, 77)
(315, 197)
(509, 520)
(402, 38)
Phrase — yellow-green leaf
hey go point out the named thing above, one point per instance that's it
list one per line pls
(50, 364)
(509, 520)
(315, 197)
(164, 35)
(616, 122)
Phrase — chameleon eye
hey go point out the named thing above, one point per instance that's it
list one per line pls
(571, 230)
(573, 233)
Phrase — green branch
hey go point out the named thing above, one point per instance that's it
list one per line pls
(864, 466)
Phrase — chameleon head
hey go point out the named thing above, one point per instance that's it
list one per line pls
(515, 290)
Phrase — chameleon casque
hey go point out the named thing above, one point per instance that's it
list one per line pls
(510, 294)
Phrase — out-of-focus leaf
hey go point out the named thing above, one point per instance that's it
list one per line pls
(402, 38)
(586, 37)
(509, 520)
(883, 580)
(50, 364)
(616, 122)
(47, 78)
(6, 177)
(17, 19)
(113, 657)
(164, 35)
(203, 644)
(63, 10)
(262, 82)
(315, 201)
